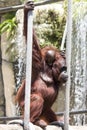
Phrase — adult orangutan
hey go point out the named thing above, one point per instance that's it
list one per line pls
(48, 74)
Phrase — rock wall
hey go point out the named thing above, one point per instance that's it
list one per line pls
(5, 3)
(6, 72)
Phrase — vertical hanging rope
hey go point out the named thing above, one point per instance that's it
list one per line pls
(64, 38)
(68, 60)
(27, 123)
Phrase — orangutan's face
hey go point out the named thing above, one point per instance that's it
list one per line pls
(59, 68)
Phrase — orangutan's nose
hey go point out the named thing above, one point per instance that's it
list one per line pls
(63, 77)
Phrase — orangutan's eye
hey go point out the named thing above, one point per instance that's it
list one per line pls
(64, 68)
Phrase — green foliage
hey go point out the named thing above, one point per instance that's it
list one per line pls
(22, 1)
(74, 2)
(9, 15)
(79, 10)
(79, 0)
(79, 17)
(9, 26)
(37, 0)
(49, 25)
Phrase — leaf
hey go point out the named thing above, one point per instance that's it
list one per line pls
(9, 26)
(4, 28)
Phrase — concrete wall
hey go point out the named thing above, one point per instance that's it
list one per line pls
(18, 127)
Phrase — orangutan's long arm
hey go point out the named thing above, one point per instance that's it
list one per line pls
(20, 94)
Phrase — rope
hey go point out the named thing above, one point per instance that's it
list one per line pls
(64, 38)
(68, 56)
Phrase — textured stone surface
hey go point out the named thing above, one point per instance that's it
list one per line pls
(78, 128)
(18, 127)
(49, 127)
(10, 127)
(9, 88)
(4, 3)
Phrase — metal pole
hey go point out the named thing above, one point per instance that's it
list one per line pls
(15, 8)
(72, 112)
(57, 113)
(68, 60)
(28, 71)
